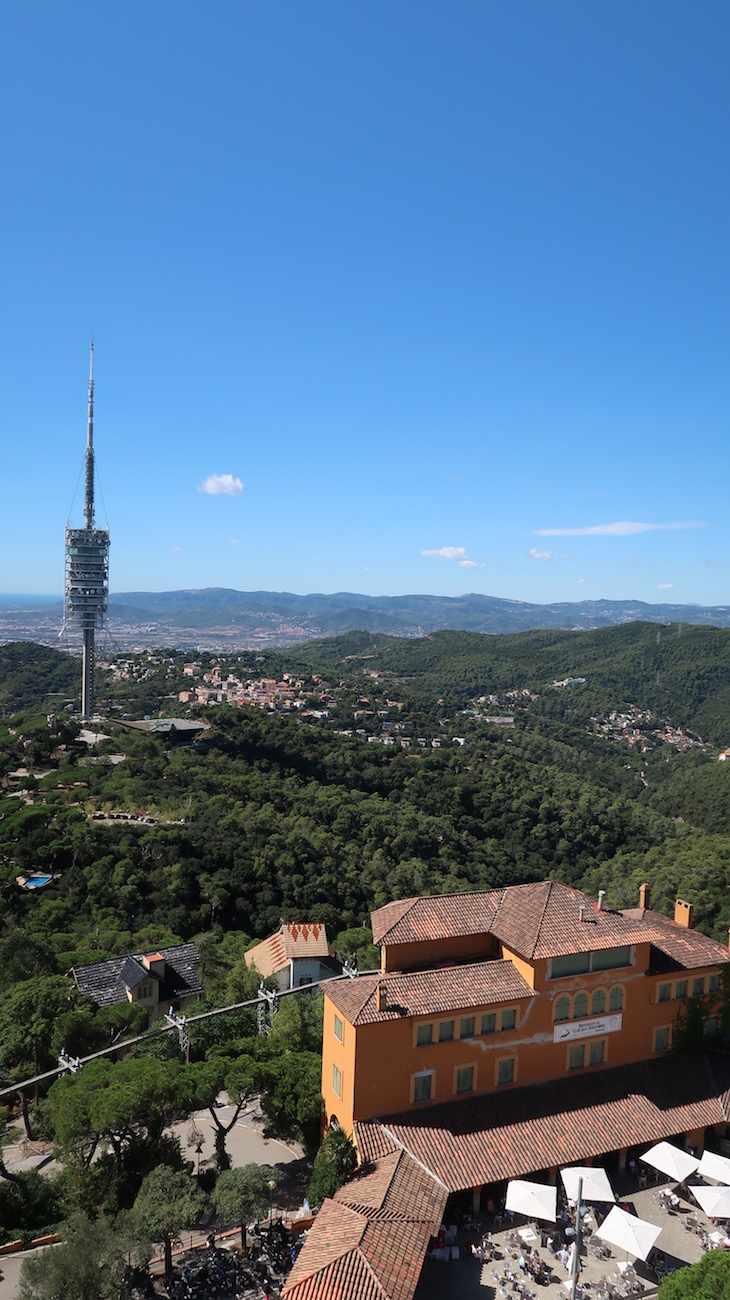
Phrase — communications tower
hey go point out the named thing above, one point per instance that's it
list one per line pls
(86, 590)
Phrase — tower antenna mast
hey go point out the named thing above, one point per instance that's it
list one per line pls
(86, 592)
(89, 493)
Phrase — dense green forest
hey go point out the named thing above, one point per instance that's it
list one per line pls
(272, 817)
(679, 672)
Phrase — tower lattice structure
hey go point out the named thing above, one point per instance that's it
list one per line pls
(86, 590)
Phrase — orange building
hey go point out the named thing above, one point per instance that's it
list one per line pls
(513, 1030)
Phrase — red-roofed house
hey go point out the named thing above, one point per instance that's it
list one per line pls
(296, 955)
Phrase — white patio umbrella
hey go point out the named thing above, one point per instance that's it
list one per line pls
(535, 1200)
(717, 1167)
(671, 1160)
(635, 1236)
(596, 1186)
(715, 1201)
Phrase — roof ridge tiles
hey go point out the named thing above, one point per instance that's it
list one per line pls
(405, 1150)
(548, 893)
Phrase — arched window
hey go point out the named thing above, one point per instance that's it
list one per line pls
(598, 1002)
(562, 1008)
(616, 998)
(580, 1006)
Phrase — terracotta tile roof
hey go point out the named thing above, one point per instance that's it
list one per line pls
(373, 1249)
(539, 921)
(394, 1187)
(346, 1278)
(269, 956)
(305, 939)
(690, 949)
(543, 920)
(508, 1135)
(373, 1142)
(331, 1265)
(384, 919)
(413, 920)
(429, 992)
(295, 939)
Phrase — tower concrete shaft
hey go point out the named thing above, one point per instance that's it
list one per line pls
(87, 675)
(87, 569)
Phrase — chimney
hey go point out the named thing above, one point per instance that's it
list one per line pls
(644, 895)
(381, 997)
(683, 914)
(601, 899)
(581, 912)
(154, 962)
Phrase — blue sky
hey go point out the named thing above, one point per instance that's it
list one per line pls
(386, 297)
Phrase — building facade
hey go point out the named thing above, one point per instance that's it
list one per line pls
(486, 994)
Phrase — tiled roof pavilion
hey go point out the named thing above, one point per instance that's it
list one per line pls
(370, 1241)
(468, 1143)
(545, 919)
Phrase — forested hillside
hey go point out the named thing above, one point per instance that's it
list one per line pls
(275, 817)
(34, 676)
(681, 673)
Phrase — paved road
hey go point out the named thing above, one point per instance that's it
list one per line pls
(245, 1142)
(10, 1266)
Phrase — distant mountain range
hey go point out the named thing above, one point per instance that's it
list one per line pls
(223, 616)
(324, 615)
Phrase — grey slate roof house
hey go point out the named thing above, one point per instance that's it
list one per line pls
(154, 980)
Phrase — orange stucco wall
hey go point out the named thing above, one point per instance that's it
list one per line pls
(342, 1055)
(435, 952)
(379, 1061)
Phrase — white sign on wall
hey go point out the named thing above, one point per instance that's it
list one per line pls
(586, 1028)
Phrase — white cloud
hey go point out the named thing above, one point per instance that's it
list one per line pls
(664, 586)
(457, 553)
(539, 555)
(175, 549)
(221, 485)
(447, 553)
(234, 541)
(622, 528)
(581, 582)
